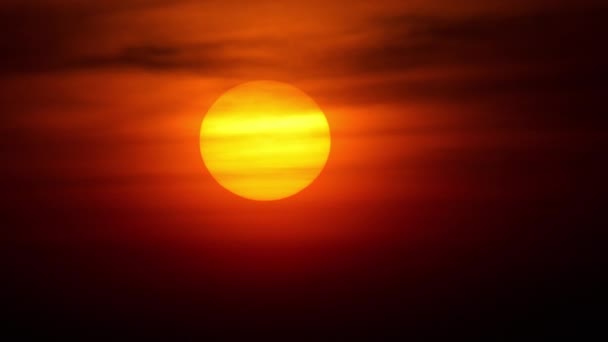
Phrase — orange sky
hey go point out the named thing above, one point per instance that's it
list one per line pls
(106, 99)
(463, 189)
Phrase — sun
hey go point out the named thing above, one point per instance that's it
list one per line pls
(265, 140)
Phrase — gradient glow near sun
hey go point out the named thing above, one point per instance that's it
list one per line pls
(265, 140)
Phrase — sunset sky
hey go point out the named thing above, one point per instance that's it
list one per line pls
(459, 190)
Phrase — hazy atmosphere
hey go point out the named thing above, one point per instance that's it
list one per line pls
(461, 194)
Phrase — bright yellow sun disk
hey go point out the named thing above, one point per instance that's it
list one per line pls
(264, 140)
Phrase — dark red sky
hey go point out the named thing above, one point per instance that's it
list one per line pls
(461, 195)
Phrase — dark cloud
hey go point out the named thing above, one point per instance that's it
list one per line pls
(408, 41)
(49, 36)
(544, 62)
(207, 58)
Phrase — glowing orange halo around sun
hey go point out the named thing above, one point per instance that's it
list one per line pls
(264, 140)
